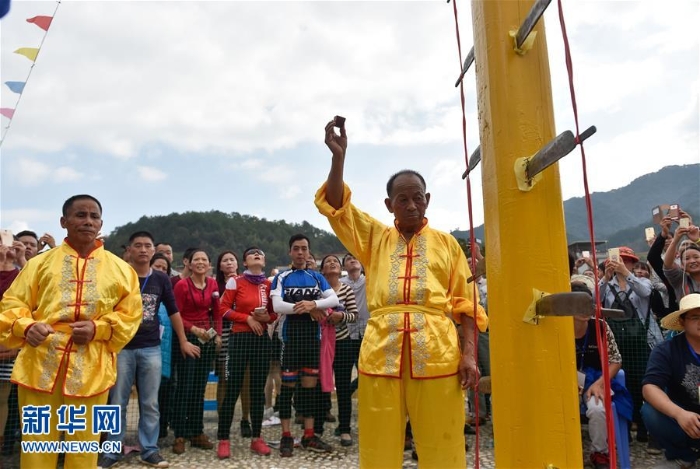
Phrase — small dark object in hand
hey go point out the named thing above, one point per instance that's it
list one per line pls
(339, 122)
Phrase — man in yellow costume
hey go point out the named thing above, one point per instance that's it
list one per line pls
(70, 310)
(410, 359)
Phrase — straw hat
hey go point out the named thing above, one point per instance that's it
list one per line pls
(688, 302)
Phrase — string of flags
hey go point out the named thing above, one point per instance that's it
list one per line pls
(31, 53)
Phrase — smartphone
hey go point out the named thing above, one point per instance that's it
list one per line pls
(649, 233)
(673, 211)
(585, 254)
(260, 310)
(684, 223)
(211, 333)
(614, 254)
(656, 215)
(6, 237)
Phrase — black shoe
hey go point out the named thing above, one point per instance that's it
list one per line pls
(414, 455)
(155, 460)
(469, 430)
(286, 446)
(246, 431)
(316, 445)
(104, 462)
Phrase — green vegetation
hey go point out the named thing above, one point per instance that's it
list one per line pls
(216, 231)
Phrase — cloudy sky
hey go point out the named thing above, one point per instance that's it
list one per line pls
(161, 107)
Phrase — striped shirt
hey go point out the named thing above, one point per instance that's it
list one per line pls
(348, 307)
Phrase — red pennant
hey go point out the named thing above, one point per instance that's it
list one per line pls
(7, 112)
(42, 21)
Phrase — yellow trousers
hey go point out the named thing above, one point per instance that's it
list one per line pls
(55, 400)
(435, 408)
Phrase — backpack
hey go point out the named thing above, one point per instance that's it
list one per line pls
(622, 302)
(656, 301)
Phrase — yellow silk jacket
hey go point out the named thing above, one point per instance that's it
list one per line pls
(416, 287)
(59, 288)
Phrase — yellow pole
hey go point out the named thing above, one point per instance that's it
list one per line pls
(535, 398)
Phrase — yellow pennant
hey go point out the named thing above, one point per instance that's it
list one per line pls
(28, 52)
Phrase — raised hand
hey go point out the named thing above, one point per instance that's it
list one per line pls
(338, 144)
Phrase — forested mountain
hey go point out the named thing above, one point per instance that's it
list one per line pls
(216, 231)
(621, 215)
(620, 218)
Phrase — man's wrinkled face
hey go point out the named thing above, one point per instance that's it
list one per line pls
(83, 221)
(408, 202)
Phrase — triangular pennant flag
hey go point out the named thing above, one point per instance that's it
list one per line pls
(42, 21)
(16, 86)
(7, 112)
(28, 52)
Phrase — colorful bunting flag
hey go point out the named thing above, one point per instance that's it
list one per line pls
(28, 52)
(44, 22)
(16, 86)
(7, 112)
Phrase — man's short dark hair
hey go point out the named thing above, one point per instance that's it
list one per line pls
(298, 237)
(71, 200)
(580, 287)
(188, 252)
(27, 233)
(163, 243)
(403, 172)
(140, 234)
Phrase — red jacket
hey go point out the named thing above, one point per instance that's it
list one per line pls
(241, 297)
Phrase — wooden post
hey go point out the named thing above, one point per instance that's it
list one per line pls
(534, 385)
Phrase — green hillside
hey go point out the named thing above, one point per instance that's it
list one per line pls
(621, 215)
(216, 231)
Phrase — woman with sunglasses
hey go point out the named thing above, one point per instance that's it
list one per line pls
(226, 268)
(246, 302)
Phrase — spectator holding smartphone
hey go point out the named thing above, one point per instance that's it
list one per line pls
(683, 278)
(198, 299)
(656, 261)
(246, 304)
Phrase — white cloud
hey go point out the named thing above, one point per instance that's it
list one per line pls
(29, 219)
(150, 174)
(244, 88)
(289, 192)
(29, 172)
(66, 174)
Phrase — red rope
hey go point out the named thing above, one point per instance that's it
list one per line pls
(602, 341)
(472, 243)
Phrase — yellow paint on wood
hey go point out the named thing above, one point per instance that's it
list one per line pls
(535, 395)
